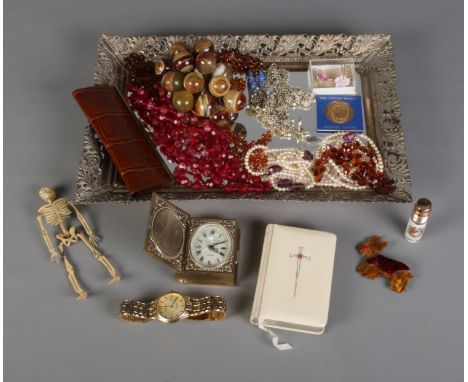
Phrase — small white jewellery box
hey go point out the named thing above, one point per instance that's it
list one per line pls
(335, 76)
(294, 281)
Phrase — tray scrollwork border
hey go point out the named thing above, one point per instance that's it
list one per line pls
(98, 181)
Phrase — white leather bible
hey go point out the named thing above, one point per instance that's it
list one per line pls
(294, 281)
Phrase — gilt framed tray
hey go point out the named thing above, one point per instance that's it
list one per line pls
(98, 180)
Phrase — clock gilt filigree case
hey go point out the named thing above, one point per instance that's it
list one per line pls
(200, 250)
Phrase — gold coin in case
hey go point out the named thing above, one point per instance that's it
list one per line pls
(339, 112)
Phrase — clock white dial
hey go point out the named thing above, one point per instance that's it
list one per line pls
(211, 246)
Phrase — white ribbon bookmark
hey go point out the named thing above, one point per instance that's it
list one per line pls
(274, 338)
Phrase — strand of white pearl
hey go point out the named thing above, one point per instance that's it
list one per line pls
(301, 173)
(292, 166)
(283, 160)
(335, 139)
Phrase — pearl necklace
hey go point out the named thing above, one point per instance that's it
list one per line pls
(292, 169)
(286, 167)
(337, 138)
(334, 172)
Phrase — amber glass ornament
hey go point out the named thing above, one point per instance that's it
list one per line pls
(235, 100)
(372, 246)
(178, 47)
(194, 82)
(223, 117)
(205, 105)
(161, 65)
(206, 62)
(183, 62)
(173, 81)
(377, 265)
(219, 86)
(182, 101)
(203, 45)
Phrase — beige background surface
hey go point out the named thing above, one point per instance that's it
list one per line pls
(372, 334)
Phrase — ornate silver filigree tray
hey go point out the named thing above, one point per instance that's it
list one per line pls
(98, 180)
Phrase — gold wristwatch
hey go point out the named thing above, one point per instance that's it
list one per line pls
(172, 307)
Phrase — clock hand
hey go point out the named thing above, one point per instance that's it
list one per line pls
(212, 247)
(221, 242)
(173, 302)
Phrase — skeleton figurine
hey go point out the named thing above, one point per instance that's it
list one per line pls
(55, 212)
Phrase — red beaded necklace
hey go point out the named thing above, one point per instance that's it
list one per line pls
(205, 155)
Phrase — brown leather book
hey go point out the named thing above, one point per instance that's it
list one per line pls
(137, 161)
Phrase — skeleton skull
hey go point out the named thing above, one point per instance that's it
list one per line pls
(47, 194)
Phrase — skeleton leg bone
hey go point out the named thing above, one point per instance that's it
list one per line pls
(73, 281)
(101, 258)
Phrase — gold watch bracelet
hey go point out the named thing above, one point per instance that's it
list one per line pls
(204, 308)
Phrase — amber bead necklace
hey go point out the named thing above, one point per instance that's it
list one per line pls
(345, 154)
(241, 63)
(352, 160)
(344, 159)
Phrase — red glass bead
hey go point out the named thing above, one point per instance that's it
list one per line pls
(327, 154)
(307, 155)
(205, 155)
(284, 183)
(297, 187)
(274, 168)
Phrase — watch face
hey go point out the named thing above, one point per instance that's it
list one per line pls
(211, 246)
(171, 306)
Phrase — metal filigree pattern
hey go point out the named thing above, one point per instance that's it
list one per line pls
(89, 172)
(270, 104)
(373, 56)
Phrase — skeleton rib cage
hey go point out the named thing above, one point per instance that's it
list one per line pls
(56, 212)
